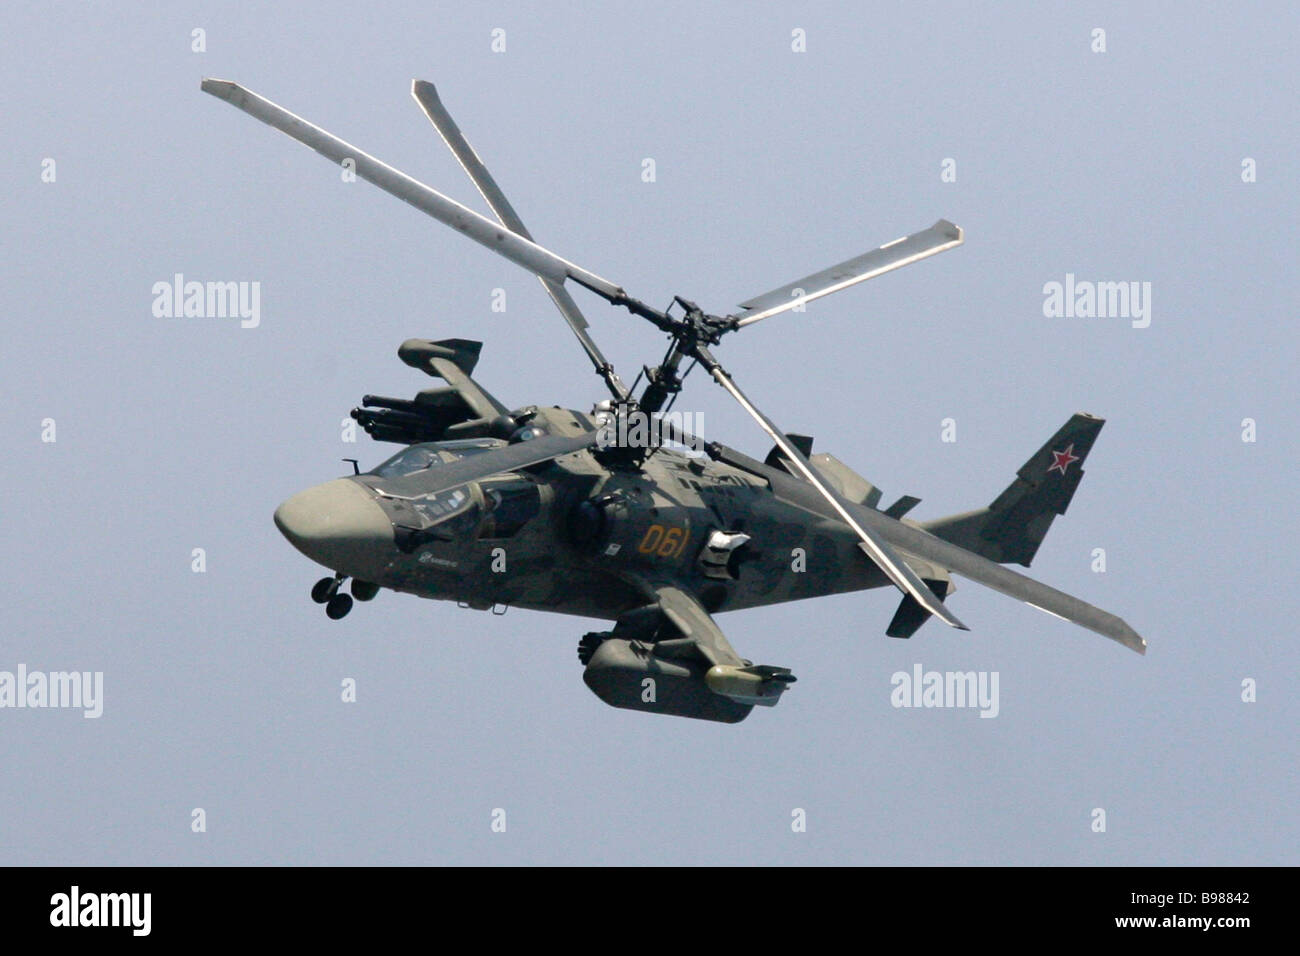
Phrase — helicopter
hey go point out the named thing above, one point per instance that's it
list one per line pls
(553, 509)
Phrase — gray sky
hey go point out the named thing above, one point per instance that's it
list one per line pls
(222, 689)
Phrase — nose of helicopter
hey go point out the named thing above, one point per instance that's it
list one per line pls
(339, 525)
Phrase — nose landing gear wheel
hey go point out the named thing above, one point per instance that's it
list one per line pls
(324, 589)
(364, 590)
(338, 606)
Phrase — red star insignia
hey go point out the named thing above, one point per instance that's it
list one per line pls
(1061, 459)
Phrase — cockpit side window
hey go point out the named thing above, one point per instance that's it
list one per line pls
(445, 516)
(438, 507)
(508, 505)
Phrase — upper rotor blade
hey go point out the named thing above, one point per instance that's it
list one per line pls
(904, 578)
(499, 239)
(892, 255)
(427, 96)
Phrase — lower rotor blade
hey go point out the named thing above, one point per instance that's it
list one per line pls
(903, 577)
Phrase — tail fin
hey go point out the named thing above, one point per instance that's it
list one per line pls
(1011, 529)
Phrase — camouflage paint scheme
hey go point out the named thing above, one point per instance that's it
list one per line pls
(625, 537)
(536, 508)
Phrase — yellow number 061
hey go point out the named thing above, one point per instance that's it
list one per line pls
(665, 542)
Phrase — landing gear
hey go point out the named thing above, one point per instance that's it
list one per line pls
(338, 603)
(338, 606)
(324, 589)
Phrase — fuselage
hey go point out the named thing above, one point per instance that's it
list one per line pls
(580, 535)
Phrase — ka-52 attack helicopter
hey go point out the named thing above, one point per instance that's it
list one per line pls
(556, 510)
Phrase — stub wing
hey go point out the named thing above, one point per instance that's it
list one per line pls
(696, 625)
(670, 657)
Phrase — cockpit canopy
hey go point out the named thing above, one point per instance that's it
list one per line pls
(419, 457)
(495, 507)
